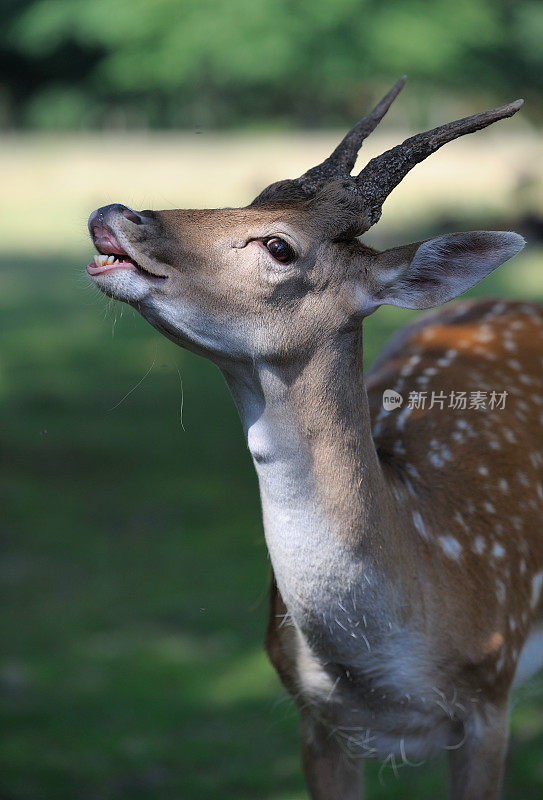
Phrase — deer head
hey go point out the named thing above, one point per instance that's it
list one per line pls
(277, 277)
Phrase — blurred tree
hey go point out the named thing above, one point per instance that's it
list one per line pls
(186, 63)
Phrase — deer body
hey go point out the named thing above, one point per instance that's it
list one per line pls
(484, 558)
(406, 546)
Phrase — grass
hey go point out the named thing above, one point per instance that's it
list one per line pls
(134, 566)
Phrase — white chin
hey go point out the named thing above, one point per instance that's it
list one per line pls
(123, 284)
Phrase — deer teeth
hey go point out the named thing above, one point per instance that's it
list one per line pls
(104, 260)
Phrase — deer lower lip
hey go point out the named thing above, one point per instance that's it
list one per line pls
(108, 262)
(105, 263)
(111, 255)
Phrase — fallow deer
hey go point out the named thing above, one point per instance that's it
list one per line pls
(406, 546)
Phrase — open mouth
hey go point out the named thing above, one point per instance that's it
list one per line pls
(107, 263)
(112, 257)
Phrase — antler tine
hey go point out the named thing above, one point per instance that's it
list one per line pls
(383, 173)
(340, 163)
(343, 159)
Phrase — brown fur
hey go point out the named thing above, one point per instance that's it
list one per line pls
(425, 523)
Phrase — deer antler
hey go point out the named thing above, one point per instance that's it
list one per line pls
(359, 199)
(343, 159)
(383, 173)
(339, 163)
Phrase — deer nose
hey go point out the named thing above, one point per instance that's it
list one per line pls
(99, 218)
(102, 230)
(133, 216)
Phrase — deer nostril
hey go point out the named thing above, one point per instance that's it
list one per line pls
(132, 216)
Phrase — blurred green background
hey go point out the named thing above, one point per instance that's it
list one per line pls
(134, 569)
(182, 63)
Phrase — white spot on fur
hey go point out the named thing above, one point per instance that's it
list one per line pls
(479, 545)
(419, 525)
(450, 546)
(498, 551)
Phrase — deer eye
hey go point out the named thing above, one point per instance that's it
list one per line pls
(279, 249)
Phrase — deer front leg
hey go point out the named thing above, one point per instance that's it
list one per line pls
(329, 772)
(476, 768)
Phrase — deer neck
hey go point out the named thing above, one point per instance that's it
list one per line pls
(326, 504)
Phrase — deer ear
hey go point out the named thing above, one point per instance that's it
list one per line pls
(427, 274)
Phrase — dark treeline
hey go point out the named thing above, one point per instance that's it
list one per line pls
(72, 64)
